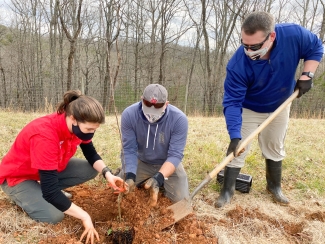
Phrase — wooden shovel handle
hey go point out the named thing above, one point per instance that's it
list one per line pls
(230, 157)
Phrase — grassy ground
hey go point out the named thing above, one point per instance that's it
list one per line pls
(303, 179)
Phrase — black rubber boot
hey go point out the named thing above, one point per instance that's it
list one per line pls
(273, 180)
(228, 186)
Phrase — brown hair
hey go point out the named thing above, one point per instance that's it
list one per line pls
(83, 108)
(258, 21)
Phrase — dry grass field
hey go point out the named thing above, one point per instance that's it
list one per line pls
(250, 218)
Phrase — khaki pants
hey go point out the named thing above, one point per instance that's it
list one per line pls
(270, 140)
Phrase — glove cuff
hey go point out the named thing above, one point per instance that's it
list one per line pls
(129, 176)
(306, 81)
(159, 177)
(235, 139)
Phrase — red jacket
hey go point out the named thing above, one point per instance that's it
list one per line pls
(45, 143)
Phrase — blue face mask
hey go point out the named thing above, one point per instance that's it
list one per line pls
(82, 136)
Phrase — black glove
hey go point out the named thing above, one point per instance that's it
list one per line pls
(130, 179)
(303, 86)
(153, 184)
(233, 146)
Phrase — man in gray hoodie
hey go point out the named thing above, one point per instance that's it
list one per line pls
(154, 135)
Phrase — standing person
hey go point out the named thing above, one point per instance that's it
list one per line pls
(39, 164)
(260, 77)
(154, 135)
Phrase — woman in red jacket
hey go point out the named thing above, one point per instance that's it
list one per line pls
(40, 162)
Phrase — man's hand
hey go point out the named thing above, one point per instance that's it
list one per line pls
(153, 185)
(303, 86)
(233, 145)
(130, 187)
(130, 179)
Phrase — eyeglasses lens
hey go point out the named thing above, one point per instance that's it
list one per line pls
(149, 104)
(256, 46)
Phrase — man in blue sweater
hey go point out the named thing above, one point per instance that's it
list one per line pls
(154, 135)
(260, 77)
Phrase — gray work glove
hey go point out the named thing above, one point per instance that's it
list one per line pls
(153, 185)
(130, 179)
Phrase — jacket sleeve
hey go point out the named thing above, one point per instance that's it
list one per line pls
(50, 190)
(235, 91)
(90, 152)
(178, 141)
(129, 141)
(311, 46)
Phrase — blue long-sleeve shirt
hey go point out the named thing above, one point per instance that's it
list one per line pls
(153, 143)
(263, 85)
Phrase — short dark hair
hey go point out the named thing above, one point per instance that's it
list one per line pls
(83, 108)
(258, 21)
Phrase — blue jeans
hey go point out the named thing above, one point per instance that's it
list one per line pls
(28, 194)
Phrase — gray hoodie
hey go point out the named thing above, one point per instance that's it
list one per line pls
(153, 143)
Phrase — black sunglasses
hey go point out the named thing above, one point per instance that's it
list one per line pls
(254, 47)
(149, 104)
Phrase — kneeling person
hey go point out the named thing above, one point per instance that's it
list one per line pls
(154, 136)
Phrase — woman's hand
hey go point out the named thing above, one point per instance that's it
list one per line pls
(81, 214)
(115, 182)
(89, 231)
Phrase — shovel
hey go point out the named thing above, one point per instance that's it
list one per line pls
(183, 208)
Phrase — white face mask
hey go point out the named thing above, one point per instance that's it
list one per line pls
(152, 118)
(255, 55)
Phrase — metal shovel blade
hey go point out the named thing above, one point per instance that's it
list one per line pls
(184, 207)
(179, 211)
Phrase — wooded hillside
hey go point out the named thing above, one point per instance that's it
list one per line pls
(111, 49)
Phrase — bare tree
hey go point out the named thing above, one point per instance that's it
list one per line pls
(4, 85)
(153, 11)
(168, 35)
(4, 100)
(113, 25)
(136, 30)
(53, 37)
(87, 57)
(322, 29)
(226, 16)
(191, 9)
(74, 11)
(29, 52)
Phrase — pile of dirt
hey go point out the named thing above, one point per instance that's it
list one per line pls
(101, 204)
(249, 219)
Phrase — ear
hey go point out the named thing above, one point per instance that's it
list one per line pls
(273, 35)
(73, 120)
